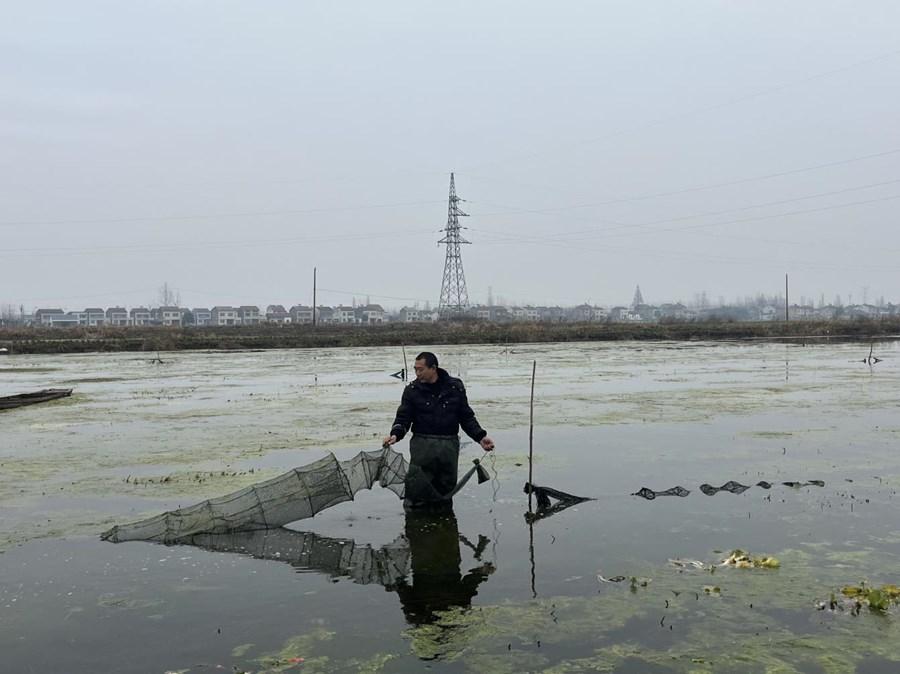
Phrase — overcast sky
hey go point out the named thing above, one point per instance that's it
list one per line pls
(228, 147)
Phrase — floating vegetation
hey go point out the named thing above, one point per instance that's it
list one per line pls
(854, 598)
(126, 602)
(687, 564)
(197, 477)
(298, 651)
(743, 560)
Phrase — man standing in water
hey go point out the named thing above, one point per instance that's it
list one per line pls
(436, 406)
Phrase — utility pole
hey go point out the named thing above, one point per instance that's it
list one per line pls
(454, 295)
(314, 297)
(786, 317)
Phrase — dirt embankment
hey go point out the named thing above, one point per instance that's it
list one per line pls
(84, 340)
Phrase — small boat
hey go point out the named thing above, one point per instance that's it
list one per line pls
(22, 399)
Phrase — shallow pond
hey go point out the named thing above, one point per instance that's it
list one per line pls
(364, 588)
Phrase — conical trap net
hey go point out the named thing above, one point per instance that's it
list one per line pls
(298, 494)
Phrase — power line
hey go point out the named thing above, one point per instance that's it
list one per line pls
(669, 253)
(695, 111)
(767, 217)
(700, 188)
(212, 216)
(650, 223)
(88, 297)
(368, 294)
(778, 202)
(169, 247)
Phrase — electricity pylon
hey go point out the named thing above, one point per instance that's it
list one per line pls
(454, 296)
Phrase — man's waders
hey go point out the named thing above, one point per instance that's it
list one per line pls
(432, 475)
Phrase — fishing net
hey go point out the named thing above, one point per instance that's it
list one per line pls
(550, 501)
(298, 494)
(732, 487)
(649, 494)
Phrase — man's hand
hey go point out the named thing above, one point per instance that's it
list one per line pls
(390, 440)
(487, 444)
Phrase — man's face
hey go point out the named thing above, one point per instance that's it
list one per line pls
(425, 374)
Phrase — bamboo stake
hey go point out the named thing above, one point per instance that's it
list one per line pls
(531, 555)
(531, 437)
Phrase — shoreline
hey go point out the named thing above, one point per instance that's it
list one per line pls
(38, 340)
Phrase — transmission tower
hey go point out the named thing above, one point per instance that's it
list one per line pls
(454, 296)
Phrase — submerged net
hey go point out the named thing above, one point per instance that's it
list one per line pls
(550, 501)
(298, 494)
(732, 487)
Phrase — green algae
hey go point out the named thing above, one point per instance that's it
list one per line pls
(700, 613)
(241, 651)
(373, 664)
(126, 602)
(299, 650)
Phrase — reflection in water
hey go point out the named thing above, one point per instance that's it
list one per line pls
(437, 582)
(307, 551)
(422, 566)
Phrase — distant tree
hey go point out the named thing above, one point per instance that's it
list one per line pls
(187, 318)
(10, 315)
(168, 296)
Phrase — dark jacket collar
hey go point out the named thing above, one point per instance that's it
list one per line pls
(443, 379)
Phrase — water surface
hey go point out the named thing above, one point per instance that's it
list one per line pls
(483, 590)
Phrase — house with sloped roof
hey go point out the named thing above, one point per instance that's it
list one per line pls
(276, 313)
(344, 314)
(370, 313)
(224, 316)
(45, 316)
(169, 315)
(202, 316)
(301, 314)
(117, 316)
(140, 316)
(93, 316)
(249, 315)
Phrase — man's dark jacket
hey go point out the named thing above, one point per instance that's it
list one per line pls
(436, 409)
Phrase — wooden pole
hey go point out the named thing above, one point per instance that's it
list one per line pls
(531, 555)
(786, 317)
(531, 438)
(314, 297)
